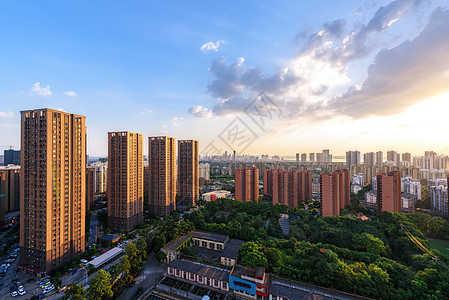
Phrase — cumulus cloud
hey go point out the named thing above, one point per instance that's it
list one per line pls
(71, 94)
(42, 91)
(145, 112)
(307, 84)
(211, 46)
(403, 75)
(200, 112)
(6, 114)
(175, 120)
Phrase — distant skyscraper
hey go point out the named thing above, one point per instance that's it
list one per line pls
(335, 192)
(188, 177)
(312, 157)
(90, 187)
(125, 180)
(303, 157)
(162, 175)
(389, 192)
(101, 174)
(297, 158)
(352, 158)
(12, 157)
(379, 158)
(407, 157)
(369, 159)
(247, 184)
(52, 200)
(204, 171)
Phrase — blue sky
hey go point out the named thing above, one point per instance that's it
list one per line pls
(337, 69)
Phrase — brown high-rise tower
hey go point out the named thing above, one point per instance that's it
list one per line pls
(125, 180)
(188, 179)
(247, 184)
(53, 187)
(389, 192)
(335, 192)
(90, 187)
(162, 175)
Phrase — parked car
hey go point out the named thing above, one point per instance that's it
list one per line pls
(13, 291)
(21, 290)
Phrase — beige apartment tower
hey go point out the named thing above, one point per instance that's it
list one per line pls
(52, 197)
(188, 177)
(161, 175)
(125, 180)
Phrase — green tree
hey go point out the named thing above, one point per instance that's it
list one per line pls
(370, 243)
(100, 286)
(76, 292)
(253, 255)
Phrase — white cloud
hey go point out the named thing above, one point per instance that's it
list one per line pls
(71, 94)
(145, 112)
(211, 46)
(200, 112)
(6, 114)
(60, 109)
(175, 120)
(42, 91)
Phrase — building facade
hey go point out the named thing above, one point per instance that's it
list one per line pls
(247, 184)
(335, 192)
(162, 175)
(10, 189)
(90, 187)
(125, 180)
(52, 197)
(11, 157)
(188, 177)
(389, 192)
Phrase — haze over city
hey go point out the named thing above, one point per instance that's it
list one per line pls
(345, 74)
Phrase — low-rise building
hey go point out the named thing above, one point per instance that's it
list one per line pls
(197, 273)
(249, 283)
(173, 248)
(209, 240)
(229, 255)
(212, 196)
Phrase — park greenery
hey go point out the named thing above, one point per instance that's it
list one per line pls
(373, 258)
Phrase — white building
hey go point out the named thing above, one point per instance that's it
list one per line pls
(204, 171)
(410, 186)
(212, 196)
(371, 197)
(438, 198)
(101, 172)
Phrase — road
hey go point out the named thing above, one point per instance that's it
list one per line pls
(151, 270)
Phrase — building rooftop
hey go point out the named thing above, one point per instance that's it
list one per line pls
(200, 269)
(232, 249)
(111, 237)
(285, 290)
(221, 238)
(104, 258)
(173, 245)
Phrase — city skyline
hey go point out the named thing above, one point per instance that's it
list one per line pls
(322, 65)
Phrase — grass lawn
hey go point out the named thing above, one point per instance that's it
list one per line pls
(440, 245)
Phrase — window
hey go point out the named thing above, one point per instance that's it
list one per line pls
(177, 273)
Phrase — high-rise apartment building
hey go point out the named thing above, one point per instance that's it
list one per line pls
(407, 157)
(90, 187)
(162, 175)
(268, 182)
(188, 177)
(389, 192)
(10, 191)
(369, 159)
(379, 158)
(352, 158)
(335, 192)
(312, 157)
(125, 180)
(247, 184)
(53, 188)
(204, 171)
(11, 157)
(101, 175)
(297, 158)
(291, 187)
(303, 157)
